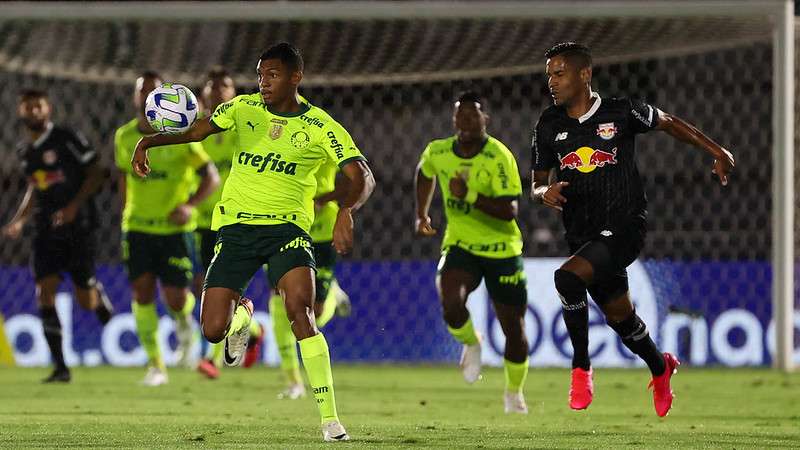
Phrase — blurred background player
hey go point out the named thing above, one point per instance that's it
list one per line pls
(266, 210)
(480, 185)
(63, 174)
(330, 299)
(157, 224)
(589, 144)
(219, 88)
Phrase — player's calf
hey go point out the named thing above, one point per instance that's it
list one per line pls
(572, 292)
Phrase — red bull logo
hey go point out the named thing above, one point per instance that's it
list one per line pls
(586, 159)
(606, 130)
(43, 179)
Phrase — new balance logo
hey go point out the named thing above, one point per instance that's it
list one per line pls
(561, 136)
(606, 233)
(251, 125)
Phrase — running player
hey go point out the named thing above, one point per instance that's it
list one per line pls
(480, 186)
(588, 143)
(267, 208)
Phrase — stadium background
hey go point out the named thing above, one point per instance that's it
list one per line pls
(706, 260)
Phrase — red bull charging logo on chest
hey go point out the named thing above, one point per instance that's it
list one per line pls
(586, 159)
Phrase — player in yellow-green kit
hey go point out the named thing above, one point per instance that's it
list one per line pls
(330, 299)
(266, 211)
(218, 89)
(480, 185)
(158, 220)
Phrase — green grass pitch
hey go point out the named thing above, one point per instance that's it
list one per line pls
(397, 407)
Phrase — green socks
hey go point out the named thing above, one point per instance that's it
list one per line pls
(147, 328)
(466, 334)
(317, 362)
(516, 373)
(328, 309)
(240, 320)
(285, 340)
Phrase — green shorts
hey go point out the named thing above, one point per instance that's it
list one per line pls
(165, 256)
(242, 249)
(504, 277)
(205, 240)
(325, 257)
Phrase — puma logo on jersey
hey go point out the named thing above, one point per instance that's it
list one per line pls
(252, 127)
(272, 161)
(561, 136)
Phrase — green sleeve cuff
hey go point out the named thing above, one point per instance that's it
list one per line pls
(472, 196)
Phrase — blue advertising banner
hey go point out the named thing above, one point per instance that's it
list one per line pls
(706, 312)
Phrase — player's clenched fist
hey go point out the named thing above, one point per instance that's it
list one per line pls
(423, 227)
(553, 197)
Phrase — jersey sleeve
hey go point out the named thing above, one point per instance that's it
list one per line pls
(196, 156)
(426, 163)
(80, 149)
(224, 115)
(122, 155)
(642, 116)
(505, 179)
(339, 145)
(542, 155)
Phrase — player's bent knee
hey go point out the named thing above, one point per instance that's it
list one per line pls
(569, 285)
(213, 331)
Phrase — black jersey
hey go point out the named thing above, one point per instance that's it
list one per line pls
(595, 155)
(56, 167)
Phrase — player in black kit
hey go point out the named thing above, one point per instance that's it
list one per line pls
(62, 174)
(589, 143)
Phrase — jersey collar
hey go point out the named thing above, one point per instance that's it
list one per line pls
(593, 109)
(304, 107)
(47, 130)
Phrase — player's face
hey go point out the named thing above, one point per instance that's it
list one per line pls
(276, 81)
(34, 112)
(565, 80)
(469, 121)
(144, 86)
(218, 91)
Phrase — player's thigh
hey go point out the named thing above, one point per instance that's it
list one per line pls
(81, 263)
(175, 297)
(46, 288)
(505, 280)
(236, 259)
(174, 265)
(613, 297)
(206, 241)
(144, 288)
(216, 311)
(297, 288)
(325, 260)
(458, 274)
(49, 256)
(291, 248)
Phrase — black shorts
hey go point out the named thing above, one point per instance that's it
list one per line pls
(167, 256)
(73, 252)
(504, 277)
(610, 253)
(325, 259)
(242, 249)
(205, 240)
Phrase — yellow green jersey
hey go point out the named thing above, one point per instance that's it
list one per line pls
(492, 173)
(272, 179)
(322, 228)
(171, 181)
(220, 148)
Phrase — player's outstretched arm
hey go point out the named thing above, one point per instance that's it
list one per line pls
(14, 227)
(424, 188)
(340, 189)
(361, 186)
(546, 193)
(200, 130)
(688, 133)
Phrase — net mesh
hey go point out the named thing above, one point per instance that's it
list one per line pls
(391, 84)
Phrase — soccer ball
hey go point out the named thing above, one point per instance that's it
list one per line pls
(171, 108)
